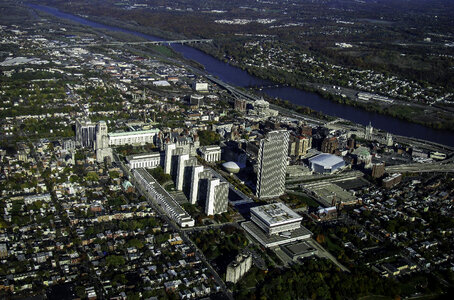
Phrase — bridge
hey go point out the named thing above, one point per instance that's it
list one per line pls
(193, 41)
(232, 90)
(237, 94)
(187, 41)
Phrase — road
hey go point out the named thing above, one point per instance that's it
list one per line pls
(322, 252)
(177, 229)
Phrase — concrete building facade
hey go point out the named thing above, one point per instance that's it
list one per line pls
(237, 268)
(141, 137)
(272, 164)
(148, 161)
(210, 153)
(85, 133)
(102, 143)
(217, 197)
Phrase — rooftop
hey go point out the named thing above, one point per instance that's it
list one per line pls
(326, 160)
(275, 214)
(142, 155)
(153, 131)
(299, 234)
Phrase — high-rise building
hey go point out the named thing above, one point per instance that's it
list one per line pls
(168, 157)
(237, 268)
(196, 171)
(217, 197)
(102, 142)
(272, 164)
(180, 171)
(85, 133)
(369, 132)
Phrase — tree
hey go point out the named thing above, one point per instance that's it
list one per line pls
(207, 137)
(92, 176)
(114, 261)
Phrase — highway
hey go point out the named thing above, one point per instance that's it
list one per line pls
(236, 93)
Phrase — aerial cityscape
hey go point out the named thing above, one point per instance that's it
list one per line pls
(212, 149)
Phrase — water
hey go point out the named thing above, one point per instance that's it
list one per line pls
(239, 77)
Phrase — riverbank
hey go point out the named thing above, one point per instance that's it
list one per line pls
(428, 116)
(240, 78)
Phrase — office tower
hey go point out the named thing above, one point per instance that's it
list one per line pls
(168, 157)
(190, 164)
(85, 133)
(272, 164)
(202, 186)
(378, 170)
(217, 194)
(195, 176)
(102, 142)
(174, 163)
(180, 171)
(369, 132)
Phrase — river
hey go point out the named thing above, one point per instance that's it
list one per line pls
(238, 77)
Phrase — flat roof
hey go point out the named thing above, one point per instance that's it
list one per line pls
(143, 155)
(275, 214)
(299, 234)
(153, 130)
(299, 248)
(326, 160)
(177, 209)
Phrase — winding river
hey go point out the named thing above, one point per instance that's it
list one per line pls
(236, 76)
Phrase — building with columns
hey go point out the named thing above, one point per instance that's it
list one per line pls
(210, 153)
(141, 137)
(148, 160)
